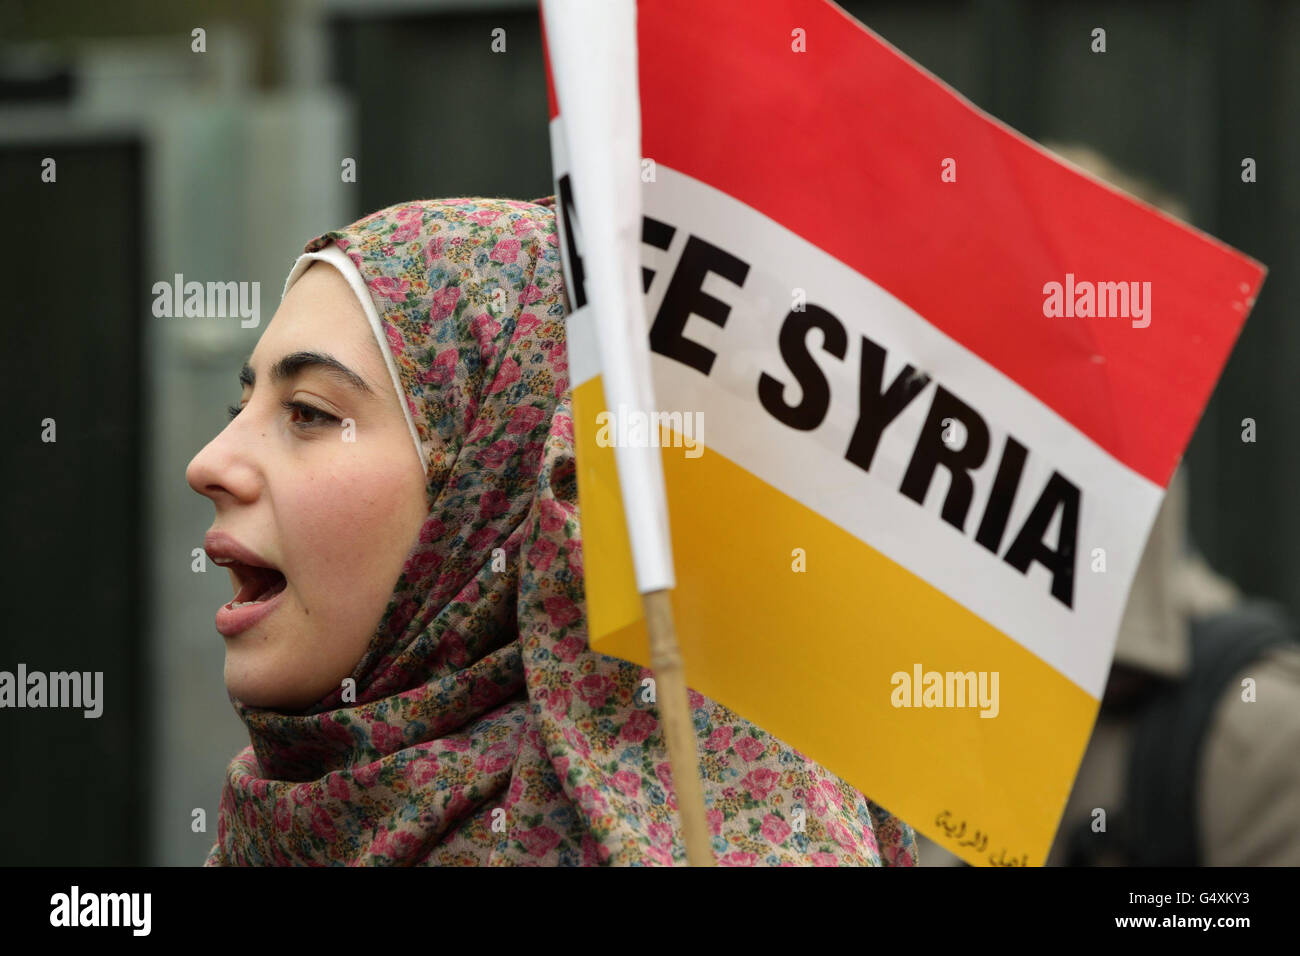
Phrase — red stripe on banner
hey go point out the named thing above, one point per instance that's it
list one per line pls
(552, 106)
(843, 144)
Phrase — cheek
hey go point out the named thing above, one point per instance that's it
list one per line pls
(346, 538)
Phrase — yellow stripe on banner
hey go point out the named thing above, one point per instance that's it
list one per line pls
(808, 656)
(608, 573)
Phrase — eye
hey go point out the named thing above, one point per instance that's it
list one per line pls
(311, 415)
(233, 410)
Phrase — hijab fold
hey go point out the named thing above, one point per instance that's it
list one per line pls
(483, 729)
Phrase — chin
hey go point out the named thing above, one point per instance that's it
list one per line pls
(251, 693)
(258, 687)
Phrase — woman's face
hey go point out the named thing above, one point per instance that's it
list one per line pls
(327, 513)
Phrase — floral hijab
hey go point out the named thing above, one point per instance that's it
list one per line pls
(483, 730)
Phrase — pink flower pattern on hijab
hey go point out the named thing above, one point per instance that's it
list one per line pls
(484, 731)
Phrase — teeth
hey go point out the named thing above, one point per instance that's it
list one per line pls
(233, 604)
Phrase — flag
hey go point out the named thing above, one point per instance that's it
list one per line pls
(921, 387)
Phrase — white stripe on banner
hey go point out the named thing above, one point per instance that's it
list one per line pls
(580, 333)
(1117, 505)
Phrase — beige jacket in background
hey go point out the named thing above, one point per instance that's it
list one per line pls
(1249, 789)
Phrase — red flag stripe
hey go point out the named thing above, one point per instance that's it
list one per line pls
(844, 143)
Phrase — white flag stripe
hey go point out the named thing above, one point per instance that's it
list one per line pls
(810, 466)
(580, 333)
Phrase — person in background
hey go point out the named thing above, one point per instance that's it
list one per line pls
(1195, 756)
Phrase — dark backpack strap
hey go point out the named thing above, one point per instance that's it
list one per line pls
(1162, 801)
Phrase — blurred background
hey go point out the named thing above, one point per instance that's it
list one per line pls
(219, 165)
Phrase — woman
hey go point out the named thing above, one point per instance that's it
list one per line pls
(456, 716)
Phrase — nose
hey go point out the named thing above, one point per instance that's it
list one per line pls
(225, 469)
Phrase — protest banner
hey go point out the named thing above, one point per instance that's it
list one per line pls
(921, 386)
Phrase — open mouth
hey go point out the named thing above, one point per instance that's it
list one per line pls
(254, 585)
(258, 586)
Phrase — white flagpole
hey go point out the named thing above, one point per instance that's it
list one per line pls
(593, 53)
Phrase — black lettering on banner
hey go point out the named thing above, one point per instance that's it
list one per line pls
(1029, 546)
(577, 283)
(931, 452)
(658, 235)
(876, 409)
(816, 398)
(1002, 496)
(686, 296)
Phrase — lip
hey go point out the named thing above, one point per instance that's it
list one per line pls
(235, 620)
(223, 549)
(220, 545)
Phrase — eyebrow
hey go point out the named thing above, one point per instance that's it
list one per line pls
(296, 362)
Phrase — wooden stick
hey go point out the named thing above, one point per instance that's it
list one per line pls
(679, 730)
